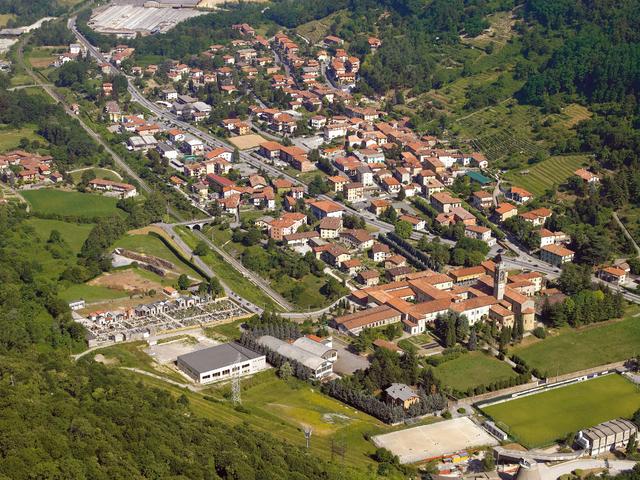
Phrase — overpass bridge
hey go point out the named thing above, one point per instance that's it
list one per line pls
(195, 224)
(535, 455)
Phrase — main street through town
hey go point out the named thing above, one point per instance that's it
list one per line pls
(522, 260)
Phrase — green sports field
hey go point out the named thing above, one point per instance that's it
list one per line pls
(47, 201)
(574, 350)
(472, 370)
(540, 419)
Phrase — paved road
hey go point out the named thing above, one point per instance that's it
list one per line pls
(614, 466)
(251, 276)
(190, 386)
(626, 232)
(22, 87)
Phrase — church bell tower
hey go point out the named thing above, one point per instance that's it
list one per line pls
(499, 277)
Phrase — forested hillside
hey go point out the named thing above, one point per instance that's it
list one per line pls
(600, 56)
(27, 12)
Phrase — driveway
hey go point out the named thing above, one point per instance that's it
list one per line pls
(347, 362)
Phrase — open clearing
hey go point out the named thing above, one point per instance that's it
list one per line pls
(543, 175)
(73, 234)
(90, 293)
(105, 173)
(471, 370)
(279, 407)
(10, 137)
(153, 246)
(433, 441)
(540, 419)
(499, 32)
(574, 350)
(245, 142)
(47, 201)
(5, 17)
(126, 280)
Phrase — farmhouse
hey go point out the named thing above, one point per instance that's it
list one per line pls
(587, 176)
(401, 395)
(123, 190)
(221, 362)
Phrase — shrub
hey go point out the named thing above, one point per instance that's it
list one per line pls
(540, 332)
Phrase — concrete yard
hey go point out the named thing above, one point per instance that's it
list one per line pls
(128, 19)
(434, 441)
(166, 353)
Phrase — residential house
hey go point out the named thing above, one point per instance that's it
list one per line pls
(444, 202)
(518, 195)
(556, 255)
(505, 211)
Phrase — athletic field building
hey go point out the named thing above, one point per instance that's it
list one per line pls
(221, 362)
(607, 436)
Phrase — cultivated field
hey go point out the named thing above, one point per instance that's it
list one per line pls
(43, 57)
(47, 201)
(472, 370)
(540, 419)
(574, 350)
(316, 30)
(543, 175)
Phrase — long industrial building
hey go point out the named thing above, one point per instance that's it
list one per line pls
(607, 436)
(126, 20)
(221, 363)
(317, 358)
